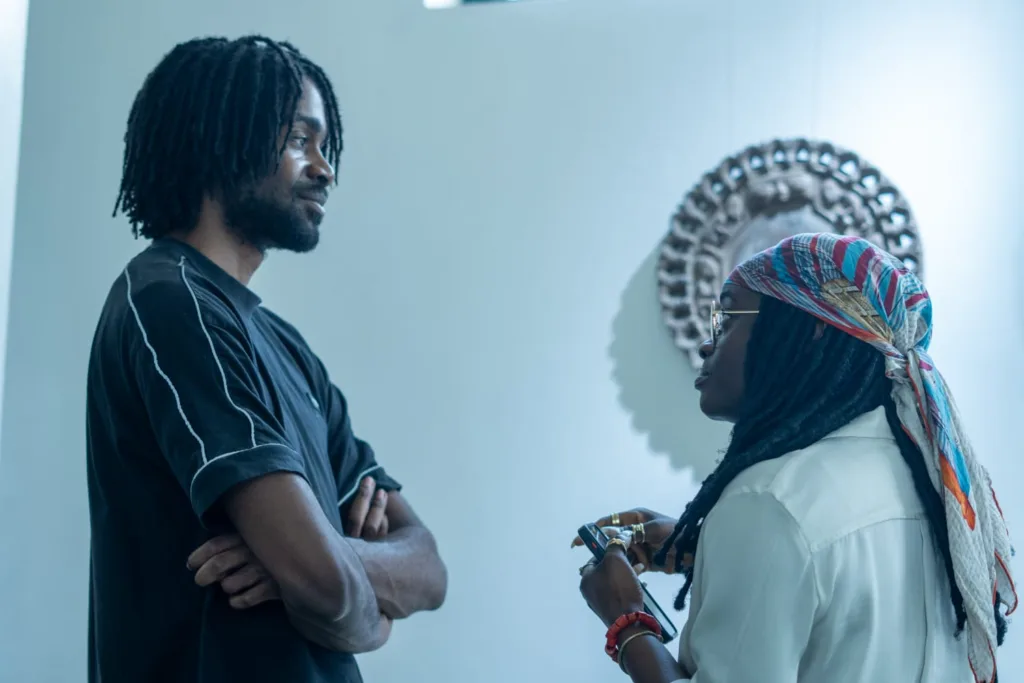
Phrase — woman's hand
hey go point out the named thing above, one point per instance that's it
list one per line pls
(646, 544)
(611, 587)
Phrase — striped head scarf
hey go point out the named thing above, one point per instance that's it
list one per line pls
(849, 283)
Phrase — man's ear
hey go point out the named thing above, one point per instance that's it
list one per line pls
(819, 330)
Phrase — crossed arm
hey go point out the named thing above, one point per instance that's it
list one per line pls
(192, 364)
(344, 600)
(317, 573)
(403, 570)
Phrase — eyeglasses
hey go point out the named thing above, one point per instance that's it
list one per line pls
(718, 319)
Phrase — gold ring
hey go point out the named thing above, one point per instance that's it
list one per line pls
(639, 533)
(619, 542)
(616, 520)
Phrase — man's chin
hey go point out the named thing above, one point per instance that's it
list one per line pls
(299, 241)
(269, 226)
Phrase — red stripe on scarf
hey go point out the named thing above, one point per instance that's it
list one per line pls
(769, 268)
(890, 294)
(991, 654)
(839, 252)
(995, 500)
(860, 276)
(816, 259)
(916, 299)
(789, 257)
(1009, 579)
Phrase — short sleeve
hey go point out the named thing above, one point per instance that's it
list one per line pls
(196, 373)
(754, 595)
(352, 458)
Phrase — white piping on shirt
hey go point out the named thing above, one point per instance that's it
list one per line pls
(216, 359)
(174, 391)
(159, 370)
(355, 487)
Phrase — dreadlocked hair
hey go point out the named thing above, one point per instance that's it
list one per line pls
(207, 120)
(797, 392)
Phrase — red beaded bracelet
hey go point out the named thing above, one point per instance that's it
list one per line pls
(611, 646)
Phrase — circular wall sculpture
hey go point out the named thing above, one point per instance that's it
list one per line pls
(760, 196)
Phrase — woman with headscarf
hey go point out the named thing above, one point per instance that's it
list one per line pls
(849, 534)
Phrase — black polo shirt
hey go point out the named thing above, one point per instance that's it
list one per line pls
(193, 387)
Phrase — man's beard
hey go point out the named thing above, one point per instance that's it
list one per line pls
(270, 223)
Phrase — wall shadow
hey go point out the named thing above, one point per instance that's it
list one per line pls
(655, 380)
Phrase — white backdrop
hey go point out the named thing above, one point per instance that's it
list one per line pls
(13, 20)
(485, 292)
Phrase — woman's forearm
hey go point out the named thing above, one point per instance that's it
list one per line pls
(647, 661)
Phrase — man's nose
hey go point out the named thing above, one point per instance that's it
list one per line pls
(321, 171)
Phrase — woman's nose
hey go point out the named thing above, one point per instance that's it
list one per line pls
(706, 348)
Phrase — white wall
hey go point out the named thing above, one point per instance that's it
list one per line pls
(484, 292)
(13, 23)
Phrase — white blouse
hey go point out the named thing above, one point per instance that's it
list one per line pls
(820, 567)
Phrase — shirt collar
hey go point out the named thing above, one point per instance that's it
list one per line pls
(241, 296)
(871, 425)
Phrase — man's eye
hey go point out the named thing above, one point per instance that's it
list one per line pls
(300, 140)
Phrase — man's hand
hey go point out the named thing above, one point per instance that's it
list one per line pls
(228, 561)
(404, 567)
(367, 519)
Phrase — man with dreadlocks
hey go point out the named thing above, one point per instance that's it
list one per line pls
(240, 531)
(848, 534)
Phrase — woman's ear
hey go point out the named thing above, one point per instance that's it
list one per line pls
(819, 330)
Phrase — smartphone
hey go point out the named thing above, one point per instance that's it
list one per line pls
(597, 541)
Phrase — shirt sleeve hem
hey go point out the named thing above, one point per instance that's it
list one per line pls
(384, 481)
(219, 474)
